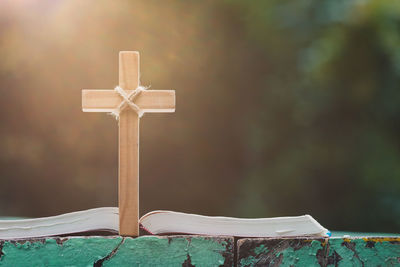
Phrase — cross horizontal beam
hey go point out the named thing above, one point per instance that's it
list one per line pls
(108, 100)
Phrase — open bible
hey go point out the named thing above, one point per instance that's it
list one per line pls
(106, 221)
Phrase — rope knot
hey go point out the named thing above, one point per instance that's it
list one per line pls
(128, 101)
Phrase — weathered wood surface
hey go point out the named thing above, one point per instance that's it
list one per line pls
(355, 251)
(118, 251)
(200, 251)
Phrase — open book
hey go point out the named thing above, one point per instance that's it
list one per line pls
(161, 222)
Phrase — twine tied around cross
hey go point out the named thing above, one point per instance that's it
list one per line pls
(128, 101)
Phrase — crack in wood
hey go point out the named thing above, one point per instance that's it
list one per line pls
(188, 262)
(1, 249)
(60, 241)
(352, 246)
(99, 263)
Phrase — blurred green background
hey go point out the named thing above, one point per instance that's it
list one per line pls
(283, 107)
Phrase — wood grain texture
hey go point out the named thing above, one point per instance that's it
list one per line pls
(129, 70)
(108, 100)
(128, 178)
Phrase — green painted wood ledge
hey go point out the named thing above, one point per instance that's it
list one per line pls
(335, 251)
(118, 251)
(342, 249)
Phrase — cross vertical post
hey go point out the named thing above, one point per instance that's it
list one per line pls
(128, 176)
(128, 100)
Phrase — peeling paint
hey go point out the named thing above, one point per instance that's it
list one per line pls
(200, 251)
(382, 239)
(73, 251)
(173, 251)
(118, 251)
(365, 251)
(374, 251)
(281, 252)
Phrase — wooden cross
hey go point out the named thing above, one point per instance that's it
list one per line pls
(146, 101)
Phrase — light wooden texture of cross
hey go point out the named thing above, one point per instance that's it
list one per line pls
(147, 101)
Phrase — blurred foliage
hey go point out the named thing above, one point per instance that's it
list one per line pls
(325, 131)
(283, 107)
